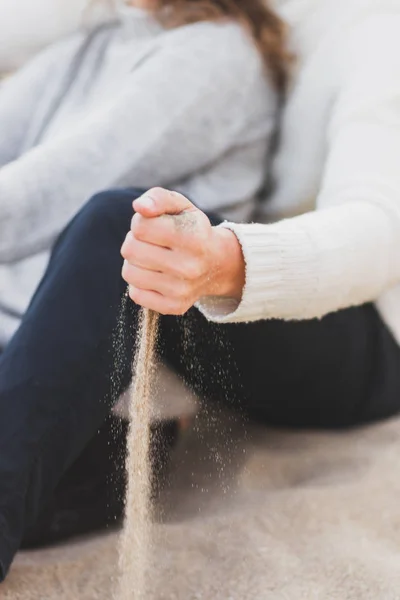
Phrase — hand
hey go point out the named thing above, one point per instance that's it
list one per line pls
(173, 256)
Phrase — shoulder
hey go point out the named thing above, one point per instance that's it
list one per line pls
(54, 59)
(63, 50)
(225, 56)
(224, 44)
(60, 54)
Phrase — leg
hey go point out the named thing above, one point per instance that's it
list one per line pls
(64, 368)
(55, 374)
(57, 379)
(90, 496)
(338, 372)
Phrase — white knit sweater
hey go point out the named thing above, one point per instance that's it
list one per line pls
(340, 154)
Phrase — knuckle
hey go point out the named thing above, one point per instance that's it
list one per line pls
(181, 198)
(171, 307)
(138, 227)
(205, 223)
(181, 307)
(178, 196)
(129, 248)
(125, 248)
(187, 270)
(157, 190)
(179, 290)
(157, 193)
(125, 271)
(133, 276)
(194, 270)
(178, 270)
(134, 294)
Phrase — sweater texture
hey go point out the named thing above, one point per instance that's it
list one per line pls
(129, 104)
(329, 235)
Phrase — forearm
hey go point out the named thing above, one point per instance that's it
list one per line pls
(14, 117)
(146, 136)
(309, 266)
(20, 95)
(227, 279)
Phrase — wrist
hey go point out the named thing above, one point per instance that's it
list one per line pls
(228, 265)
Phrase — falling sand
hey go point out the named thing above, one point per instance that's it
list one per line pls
(136, 538)
(135, 545)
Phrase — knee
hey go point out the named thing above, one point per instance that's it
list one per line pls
(99, 209)
(107, 209)
(106, 216)
(105, 205)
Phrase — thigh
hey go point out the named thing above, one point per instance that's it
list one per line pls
(339, 371)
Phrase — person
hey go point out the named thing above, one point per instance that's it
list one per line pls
(170, 98)
(177, 93)
(293, 321)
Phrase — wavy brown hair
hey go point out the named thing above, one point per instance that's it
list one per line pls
(265, 26)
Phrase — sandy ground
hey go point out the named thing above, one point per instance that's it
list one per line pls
(253, 514)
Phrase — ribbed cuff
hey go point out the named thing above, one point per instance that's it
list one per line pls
(279, 277)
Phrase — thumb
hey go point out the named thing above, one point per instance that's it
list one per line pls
(158, 201)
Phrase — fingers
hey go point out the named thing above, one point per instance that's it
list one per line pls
(159, 231)
(158, 201)
(152, 281)
(154, 301)
(166, 230)
(146, 256)
(161, 260)
(166, 252)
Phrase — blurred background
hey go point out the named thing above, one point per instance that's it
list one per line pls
(28, 25)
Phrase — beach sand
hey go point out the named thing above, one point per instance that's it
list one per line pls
(253, 514)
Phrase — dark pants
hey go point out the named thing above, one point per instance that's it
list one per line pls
(64, 368)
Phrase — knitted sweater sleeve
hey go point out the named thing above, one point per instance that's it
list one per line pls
(21, 95)
(347, 252)
(181, 110)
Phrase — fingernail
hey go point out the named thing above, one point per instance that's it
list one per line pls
(145, 202)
